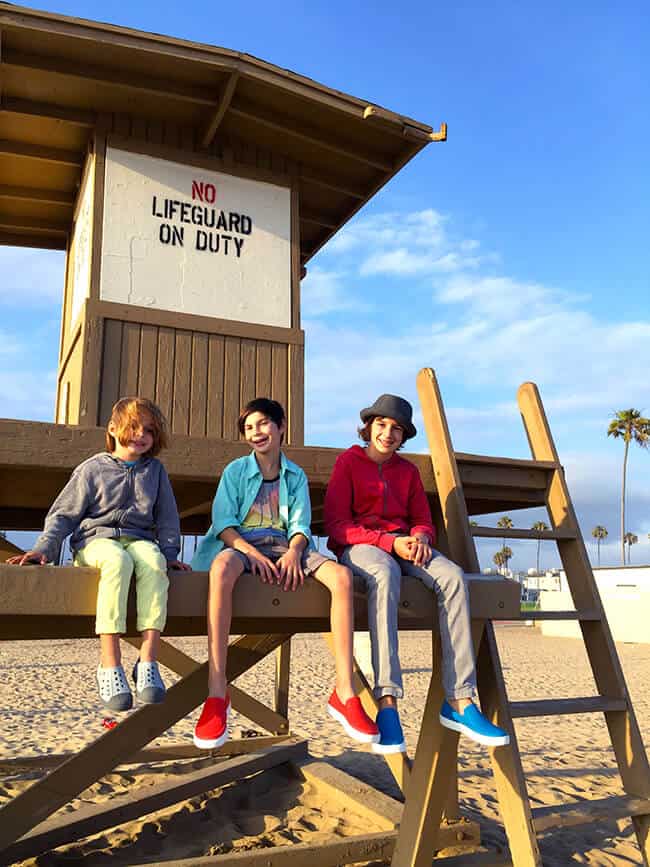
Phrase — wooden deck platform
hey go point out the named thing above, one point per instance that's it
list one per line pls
(45, 602)
(36, 460)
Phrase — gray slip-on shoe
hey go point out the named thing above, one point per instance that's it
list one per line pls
(149, 686)
(114, 689)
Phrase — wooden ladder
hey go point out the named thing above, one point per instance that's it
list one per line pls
(613, 700)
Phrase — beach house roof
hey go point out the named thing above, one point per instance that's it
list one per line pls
(63, 77)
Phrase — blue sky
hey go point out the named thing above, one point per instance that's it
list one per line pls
(517, 250)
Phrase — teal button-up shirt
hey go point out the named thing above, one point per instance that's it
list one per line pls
(238, 487)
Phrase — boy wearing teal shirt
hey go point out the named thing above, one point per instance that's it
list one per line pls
(260, 524)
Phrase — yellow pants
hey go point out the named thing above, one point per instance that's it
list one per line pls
(116, 560)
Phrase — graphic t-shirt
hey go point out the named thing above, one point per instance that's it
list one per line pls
(263, 518)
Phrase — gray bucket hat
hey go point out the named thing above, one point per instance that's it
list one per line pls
(391, 406)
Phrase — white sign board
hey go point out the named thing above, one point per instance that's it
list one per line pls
(189, 240)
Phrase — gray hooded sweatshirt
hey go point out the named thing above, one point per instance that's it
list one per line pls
(105, 499)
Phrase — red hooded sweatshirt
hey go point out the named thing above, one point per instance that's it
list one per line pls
(369, 504)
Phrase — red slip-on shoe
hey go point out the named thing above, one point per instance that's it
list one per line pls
(211, 731)
(353, 718)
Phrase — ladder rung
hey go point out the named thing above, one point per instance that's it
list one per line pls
(520, 533)
(583, 812)
(585, 614)
(558, 706)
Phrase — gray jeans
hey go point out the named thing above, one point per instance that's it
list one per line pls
(381, 576)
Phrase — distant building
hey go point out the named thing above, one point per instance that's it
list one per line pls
(625, 594)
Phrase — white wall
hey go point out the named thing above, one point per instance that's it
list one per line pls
(157, 250)
(625, 594)
(82, 242)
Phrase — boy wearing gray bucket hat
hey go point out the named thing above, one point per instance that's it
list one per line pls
(379, 524)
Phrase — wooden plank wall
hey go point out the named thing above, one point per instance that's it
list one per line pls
(69, 382)
(199, 380)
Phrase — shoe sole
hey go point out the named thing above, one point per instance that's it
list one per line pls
(155, 696)
(355, 734)
(486, 740)
(118, 705)
(213, 743)
(386, 749)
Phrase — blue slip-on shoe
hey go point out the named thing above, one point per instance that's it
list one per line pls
(391, 737)
(472, 723)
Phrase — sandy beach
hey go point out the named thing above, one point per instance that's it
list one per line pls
(47, 696)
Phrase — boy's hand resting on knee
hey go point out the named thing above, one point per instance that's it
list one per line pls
(179, 566)
(413, 548)
(262, 566)
(290, 566)
(28, 557)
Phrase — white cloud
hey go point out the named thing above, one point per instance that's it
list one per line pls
(408, 244)
(325, 292)
(484, 334)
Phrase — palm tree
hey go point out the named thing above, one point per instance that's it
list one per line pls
(539, 527)
(630, 539)
(632, 426)
(498, 560)
(505, 523)
(599, 533)
(507, 555)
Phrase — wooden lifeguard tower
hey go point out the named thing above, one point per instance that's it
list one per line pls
(189, 186)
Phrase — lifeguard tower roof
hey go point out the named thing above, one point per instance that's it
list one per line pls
(64, 77)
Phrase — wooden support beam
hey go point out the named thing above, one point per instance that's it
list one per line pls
(512, 792)
(44, 242)
(60, 156)
(223, 104)
(282, 674)
(170, 753)
(309, 176)
(318, 220)
(37, 225)
(93, 818)
(42, 196)
(520, 533)
(44, 797)
(330, 853)
(446, 472)
(150, 85)
(433, 766)
(585, 812)
(50, 111)
(360, 798)
(566, 706)
(376, 848)
(290, 128)
(378, 808)
(250, 707)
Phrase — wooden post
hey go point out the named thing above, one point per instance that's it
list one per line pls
(282, 671)
(428, 787)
